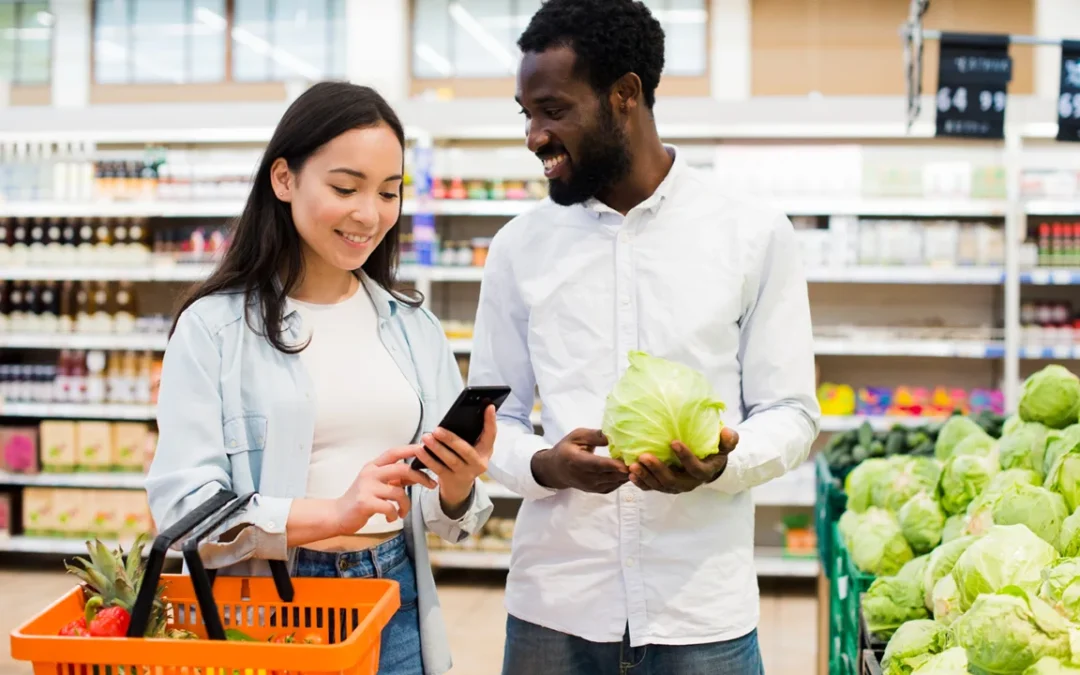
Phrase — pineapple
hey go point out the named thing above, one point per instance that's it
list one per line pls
(110, 582)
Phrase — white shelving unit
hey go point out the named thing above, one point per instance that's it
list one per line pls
(79, 411)
(109, 481)
(136, 342)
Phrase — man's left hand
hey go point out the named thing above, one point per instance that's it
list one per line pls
(649, 473)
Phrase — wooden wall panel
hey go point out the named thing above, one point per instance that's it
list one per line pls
(853, 47)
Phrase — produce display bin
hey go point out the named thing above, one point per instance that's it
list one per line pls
(851, 583)
(343, 618)
(829, 503)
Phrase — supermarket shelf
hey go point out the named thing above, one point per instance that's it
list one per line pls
(118, 481)
(865, 274)
(1050, 277)
(910, 207)
(832, 423)
(913, 207)
(871, 274)
(139, 342)
(105, 411)
(57, 546)
(1058, 352)
(969, 349)
(461, 346)
(1051, 207)
(175, 272)
(768, 561)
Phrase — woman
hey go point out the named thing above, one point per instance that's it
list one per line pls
(297, 372)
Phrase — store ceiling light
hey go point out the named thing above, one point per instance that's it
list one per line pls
(440, 63)
(468, 22)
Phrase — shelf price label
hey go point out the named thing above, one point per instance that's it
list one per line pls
(1069, 92)
(974, 72)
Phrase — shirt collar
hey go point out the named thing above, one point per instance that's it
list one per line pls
(386, 305)
(658, 197)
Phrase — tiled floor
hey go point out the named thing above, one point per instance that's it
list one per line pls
(475, 617)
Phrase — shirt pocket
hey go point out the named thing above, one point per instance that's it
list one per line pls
(245, 439)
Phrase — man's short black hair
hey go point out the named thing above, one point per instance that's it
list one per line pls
(610, 37)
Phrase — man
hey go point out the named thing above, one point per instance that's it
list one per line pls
(647, 568)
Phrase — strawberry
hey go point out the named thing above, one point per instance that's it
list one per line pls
(76, 628)
(110, 622)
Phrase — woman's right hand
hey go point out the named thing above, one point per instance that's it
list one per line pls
(380, 488)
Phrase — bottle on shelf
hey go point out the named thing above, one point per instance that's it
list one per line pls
(54, 243)
(84, 308)
(20, 242)
(85, 242)
(16, 300)
(67, 315)
(5, 307)
(101, 317)
(144, 390)
(69, 243)
(123, 308)
(36, 254)
(103, 238)
(138, 242)
(116, 385)
(5, 238)
(32, 308)
(95, 377)
(49, 304)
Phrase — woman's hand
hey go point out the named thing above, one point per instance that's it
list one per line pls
(380, 488)
(461, 463)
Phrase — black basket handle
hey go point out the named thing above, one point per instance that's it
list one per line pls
(207, 517)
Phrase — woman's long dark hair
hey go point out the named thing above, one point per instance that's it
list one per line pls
(265, 243)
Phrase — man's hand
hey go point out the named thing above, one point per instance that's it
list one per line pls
(573, 464)
(649, 473)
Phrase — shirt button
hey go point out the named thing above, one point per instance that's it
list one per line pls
(629, 497)
(629, 562)
(271, 525)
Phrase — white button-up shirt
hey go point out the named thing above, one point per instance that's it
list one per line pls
(689, 275)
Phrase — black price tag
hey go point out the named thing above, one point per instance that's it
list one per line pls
(1069, 93)
(973, 81)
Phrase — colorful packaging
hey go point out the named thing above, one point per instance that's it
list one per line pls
(94, 450)
(873, 401)
(105, 513)
(836, 399)
(18, 450)
(5, 516)
(58, 444)
(37, 512)
(69, 508)
(128, 446)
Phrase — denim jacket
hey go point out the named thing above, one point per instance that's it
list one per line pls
(235, 413)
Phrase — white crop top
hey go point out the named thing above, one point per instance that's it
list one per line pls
(364, 404)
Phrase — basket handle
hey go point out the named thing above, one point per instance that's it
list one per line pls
(210, 514)
(203, 579)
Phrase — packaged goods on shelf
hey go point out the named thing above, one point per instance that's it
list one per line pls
(73, 241)
(1048, 323)
(19, 450)
(486, 189)
(50, 307)
(76, 513)
(932, 243)
(1048, 183)
(842, 399)
(451, 253)
(191, 244)
(84, 377)
(458, 330)
(1057, 244)
(799, 539)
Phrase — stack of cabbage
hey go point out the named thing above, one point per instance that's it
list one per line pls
(977, 550)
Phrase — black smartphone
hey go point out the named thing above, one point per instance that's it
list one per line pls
(466, 417)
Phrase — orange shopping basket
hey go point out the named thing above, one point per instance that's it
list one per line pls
(343, 617)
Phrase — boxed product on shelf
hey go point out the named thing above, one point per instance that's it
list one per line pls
(59, 441)
(128, 446)
(841, 400)
(94, 449)
(37, 513)
(19, 450)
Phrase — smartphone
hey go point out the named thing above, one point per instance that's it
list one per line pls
(466, 417)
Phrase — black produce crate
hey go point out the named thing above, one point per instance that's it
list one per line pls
(871, 663)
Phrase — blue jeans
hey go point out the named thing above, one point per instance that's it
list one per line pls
(399, 653)
(534, 650)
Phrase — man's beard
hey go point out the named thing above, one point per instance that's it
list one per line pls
(603, 160)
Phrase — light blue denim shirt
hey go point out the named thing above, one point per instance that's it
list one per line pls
(235, 413)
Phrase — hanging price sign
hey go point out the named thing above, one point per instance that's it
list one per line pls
(1069, 93)
(973, 80)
